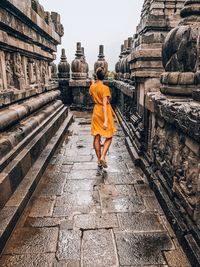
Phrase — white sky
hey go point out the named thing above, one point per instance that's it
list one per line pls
(94, 22)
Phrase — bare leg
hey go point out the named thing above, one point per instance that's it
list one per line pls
(97, 146)
(106, 146)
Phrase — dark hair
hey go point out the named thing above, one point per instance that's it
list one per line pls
(100, 74)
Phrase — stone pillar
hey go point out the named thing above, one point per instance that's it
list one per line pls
(117, 65)
(127, 71)
(85, 65)
(64, 76)
(79, 83)
(63, 67)
(101, 62)
(123, 60)
(78, 66)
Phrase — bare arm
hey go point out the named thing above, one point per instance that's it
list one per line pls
(105, 102)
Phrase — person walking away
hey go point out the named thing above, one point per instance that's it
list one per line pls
(102, 124)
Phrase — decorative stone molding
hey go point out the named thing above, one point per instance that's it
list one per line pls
(181, 52)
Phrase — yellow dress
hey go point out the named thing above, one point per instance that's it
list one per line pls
(98, 91)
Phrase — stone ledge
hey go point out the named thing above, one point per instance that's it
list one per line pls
(125, 88)
(79, 83)
(12, 212)
(15, 113)
(10, 96)
(30, 15)
(27, 154)
(183, 112)
(12, 43)
(26, 131)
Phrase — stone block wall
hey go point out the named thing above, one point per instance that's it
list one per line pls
(26, 49)
(32, 118)
(159, 110)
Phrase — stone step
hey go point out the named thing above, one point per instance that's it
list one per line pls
(14, 140)
(14, 172)
(131, 143)
(15, 206)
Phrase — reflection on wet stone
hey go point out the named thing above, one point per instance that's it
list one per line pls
(139, 222)
(95, 221)
(142, 248)
(82, 216)
(122, 204)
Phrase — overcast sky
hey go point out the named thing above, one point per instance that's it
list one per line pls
(95, 22)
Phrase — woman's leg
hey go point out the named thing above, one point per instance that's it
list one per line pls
(106, 146)
(97, 146)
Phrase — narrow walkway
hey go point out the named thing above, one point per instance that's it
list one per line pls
(78, 217)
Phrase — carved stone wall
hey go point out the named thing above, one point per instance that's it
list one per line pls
(160, 111)
(32, 118)
(26, 49)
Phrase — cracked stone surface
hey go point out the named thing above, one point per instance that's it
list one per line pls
(83, 217)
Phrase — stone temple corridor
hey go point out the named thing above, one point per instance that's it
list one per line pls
(56, 208)
(82, 217)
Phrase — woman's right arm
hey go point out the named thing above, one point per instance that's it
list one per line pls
(105, 102)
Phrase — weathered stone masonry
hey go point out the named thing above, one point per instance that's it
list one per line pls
(160, 110)
(32, 119)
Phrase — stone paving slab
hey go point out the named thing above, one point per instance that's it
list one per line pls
(142, 248)
(72, 186)
(95, 221)
(139, 222)
(42, 222)
(80, 175)
(122, 204)
(33, 241)
(43, 207)
(84, 217)
(98, 249)
(27, 260)
(69, 245)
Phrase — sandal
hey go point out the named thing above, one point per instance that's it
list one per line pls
(99, 164)
(103, 163)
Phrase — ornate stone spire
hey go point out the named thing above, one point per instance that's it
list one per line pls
(63, 67)
(117, 65)
(85, 64)
(78, 65)
(101, 62)
(123, 60)
(127, 71)
(181, 53)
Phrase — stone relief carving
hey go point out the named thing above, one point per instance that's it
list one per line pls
(18, 72)
(37, 71)
(9, 70)
(178, 160)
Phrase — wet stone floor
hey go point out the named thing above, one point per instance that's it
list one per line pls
(80, 216)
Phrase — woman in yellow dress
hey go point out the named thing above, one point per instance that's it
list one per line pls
(102, 119)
